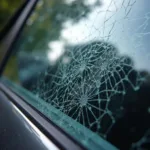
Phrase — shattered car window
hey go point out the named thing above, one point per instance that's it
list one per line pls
(88, 60)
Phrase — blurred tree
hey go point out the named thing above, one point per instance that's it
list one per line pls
(46, 22)
(45, 25)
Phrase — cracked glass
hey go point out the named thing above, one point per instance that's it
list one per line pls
(86, 63)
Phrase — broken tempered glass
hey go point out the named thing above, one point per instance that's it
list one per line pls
(89, 59)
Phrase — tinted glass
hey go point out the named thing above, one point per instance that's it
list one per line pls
(88, 61)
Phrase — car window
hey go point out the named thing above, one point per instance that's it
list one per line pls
(86, 63)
